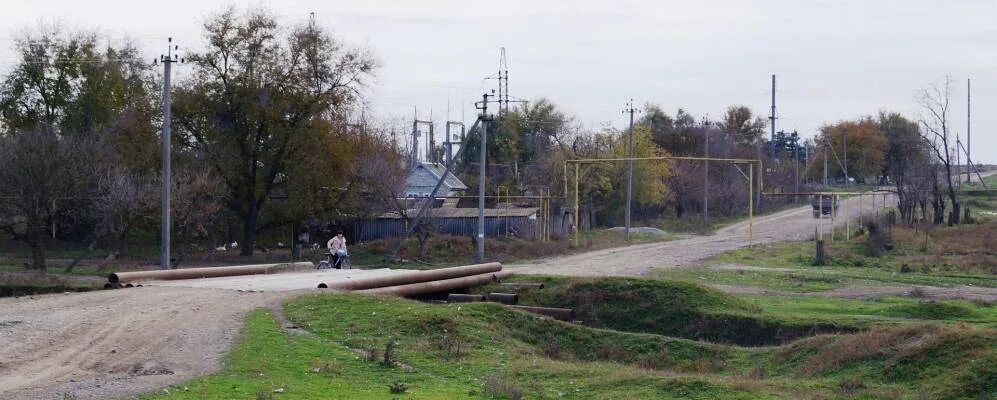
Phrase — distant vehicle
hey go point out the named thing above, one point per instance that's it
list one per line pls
(824, 204)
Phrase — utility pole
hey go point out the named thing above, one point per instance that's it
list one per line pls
(772, 118)
(481, 176)
(415, 137)
(167, 60)
(826, 153)
(844, 153)
(630, 168)
(806, 159)
(958, 160)
(706, 172)
(431, 153)
(449, 143)
(796, 164)
(968, 104)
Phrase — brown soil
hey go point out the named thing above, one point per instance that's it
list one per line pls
(112, 343)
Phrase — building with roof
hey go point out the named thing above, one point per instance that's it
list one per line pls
(423, 178)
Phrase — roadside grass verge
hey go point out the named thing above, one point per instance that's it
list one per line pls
(507, 354)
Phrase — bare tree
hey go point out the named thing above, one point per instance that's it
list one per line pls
(43, 176)
(121, 201)
(935, 101)
(198, 205)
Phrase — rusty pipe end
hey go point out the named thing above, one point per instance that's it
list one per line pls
(113, 278)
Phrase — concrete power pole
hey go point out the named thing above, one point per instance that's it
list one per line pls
(844, 153)
(167, 60)
(772, 117)
(630, 168)
(968, 104)
(796, 164)
(826, 153)
(706, 172)
(481, 177)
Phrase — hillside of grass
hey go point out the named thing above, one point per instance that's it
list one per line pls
(486, 351)
(669, 308)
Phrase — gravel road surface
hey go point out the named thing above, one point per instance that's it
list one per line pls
(794, 224)
(110, 343)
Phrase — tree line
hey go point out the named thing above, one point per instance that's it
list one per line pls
(268, 136)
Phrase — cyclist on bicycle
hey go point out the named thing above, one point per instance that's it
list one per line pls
(337, 248)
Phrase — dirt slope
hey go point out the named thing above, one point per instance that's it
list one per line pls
(793, 224)
(116, 342)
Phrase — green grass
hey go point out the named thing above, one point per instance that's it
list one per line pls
(875, 311)
(505, 353)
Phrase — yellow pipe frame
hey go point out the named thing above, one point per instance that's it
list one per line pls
(750, 162)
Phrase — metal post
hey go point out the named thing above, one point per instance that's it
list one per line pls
(834, 211)
(164, 257)
(751, 209)
(848, 226)
(820, 217)
(577, 217)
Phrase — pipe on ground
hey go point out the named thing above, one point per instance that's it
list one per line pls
(464, 298)
(437, 286)
(563, 314)
(504, 298)
(208, 272)
(413, 277)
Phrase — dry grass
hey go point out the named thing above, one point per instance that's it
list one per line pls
(965, 247)
(894, 342)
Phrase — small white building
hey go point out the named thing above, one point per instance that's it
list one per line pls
(423, 178)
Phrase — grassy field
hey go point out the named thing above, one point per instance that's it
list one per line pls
(485, 351)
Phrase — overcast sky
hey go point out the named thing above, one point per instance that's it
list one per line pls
(834, 59)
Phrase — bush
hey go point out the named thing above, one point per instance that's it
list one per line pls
(499, 386)
(397, 387)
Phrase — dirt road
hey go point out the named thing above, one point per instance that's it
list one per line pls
(111, 343)
(794, 224)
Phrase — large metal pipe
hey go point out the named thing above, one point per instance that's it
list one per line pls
(437, 286)
(208, 272)
(413, 277)
(563, 314)
(464, 298)
(504, 298)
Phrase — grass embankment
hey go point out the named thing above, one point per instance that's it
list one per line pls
(938, 256)
(485, 351)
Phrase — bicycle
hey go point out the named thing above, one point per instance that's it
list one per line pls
(334, 261)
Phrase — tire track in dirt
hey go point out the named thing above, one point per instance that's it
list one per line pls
(112, 343)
